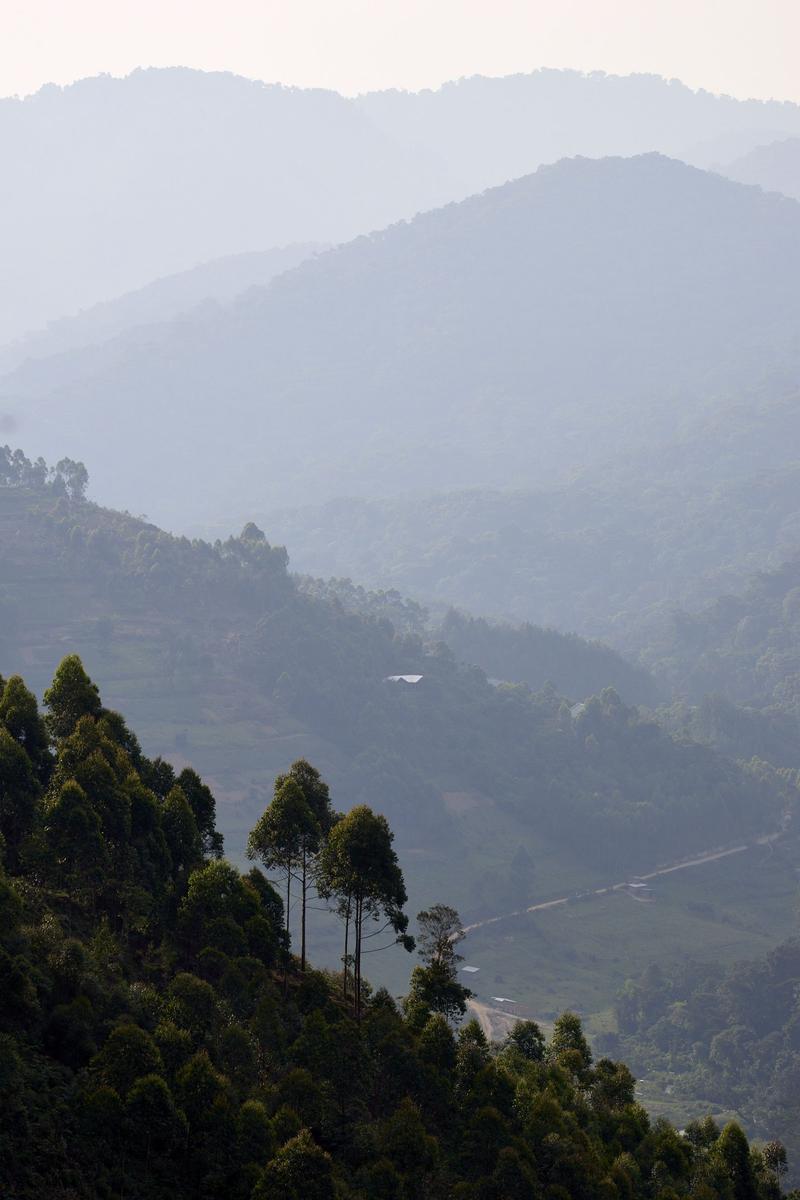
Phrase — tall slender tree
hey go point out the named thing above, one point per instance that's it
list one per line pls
(283, 834)
(359, 867)
(317, 796)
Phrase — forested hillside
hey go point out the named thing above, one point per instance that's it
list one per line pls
(606, 554)
(506, 341)
(745, 647)
(536, 656)
(723, 1037)
(219, 654)
(157, 1037)
(506, 652)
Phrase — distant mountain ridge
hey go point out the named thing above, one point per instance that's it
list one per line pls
(117, 182)
(507, 341)
(609, 553)
(489, 130)
(111, 183)
(774, 166)
(219, 281)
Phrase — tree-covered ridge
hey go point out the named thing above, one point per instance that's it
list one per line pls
(601, 781)
(157, 1039)
(744, 647)
(530, 654)
(66, 478)
(677, 523)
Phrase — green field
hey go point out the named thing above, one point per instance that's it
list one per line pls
(579, 955)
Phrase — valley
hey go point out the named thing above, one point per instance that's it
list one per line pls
(399, 634)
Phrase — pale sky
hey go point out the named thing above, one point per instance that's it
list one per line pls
(742, 47)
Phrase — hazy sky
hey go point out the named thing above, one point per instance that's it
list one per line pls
(744, 47)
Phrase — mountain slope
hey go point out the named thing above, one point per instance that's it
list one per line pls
(210, 644)
(743, 647)
(120, 181)
(775, 167)
(150, 1047)
(219, 281)
(681, 522)
(507, 340)
(500, 798)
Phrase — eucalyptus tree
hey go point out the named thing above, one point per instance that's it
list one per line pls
(317, 796)
(284, 835)
(359, 868)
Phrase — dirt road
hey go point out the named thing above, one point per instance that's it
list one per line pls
(699, 860)
(495, 1023)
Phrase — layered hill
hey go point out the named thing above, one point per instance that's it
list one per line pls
(774, 166)
(214, 647)
(219, 281)
(490, 130)
(501, 798)
(506, 652)
(609, 554)
(509, 340)
(116, 182)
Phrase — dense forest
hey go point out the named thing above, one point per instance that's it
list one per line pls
(159, 1038)
(529, 654)
(725, 1037)
(744, 647)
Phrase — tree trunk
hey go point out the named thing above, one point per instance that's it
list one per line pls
(303, 917)
(358, 958)
(346, 947)
(286, 952)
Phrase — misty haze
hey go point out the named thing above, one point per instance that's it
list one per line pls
(399, 638)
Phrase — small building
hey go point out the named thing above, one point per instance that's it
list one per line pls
(403, 678)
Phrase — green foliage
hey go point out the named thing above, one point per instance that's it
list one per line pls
(67, 478)
(129, 1053)
(71, 696)
(736, 663)
(301, 1170)
(529, 654)
(226, 617)
(728, 1037)
(146, 1049)
(359, 868)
